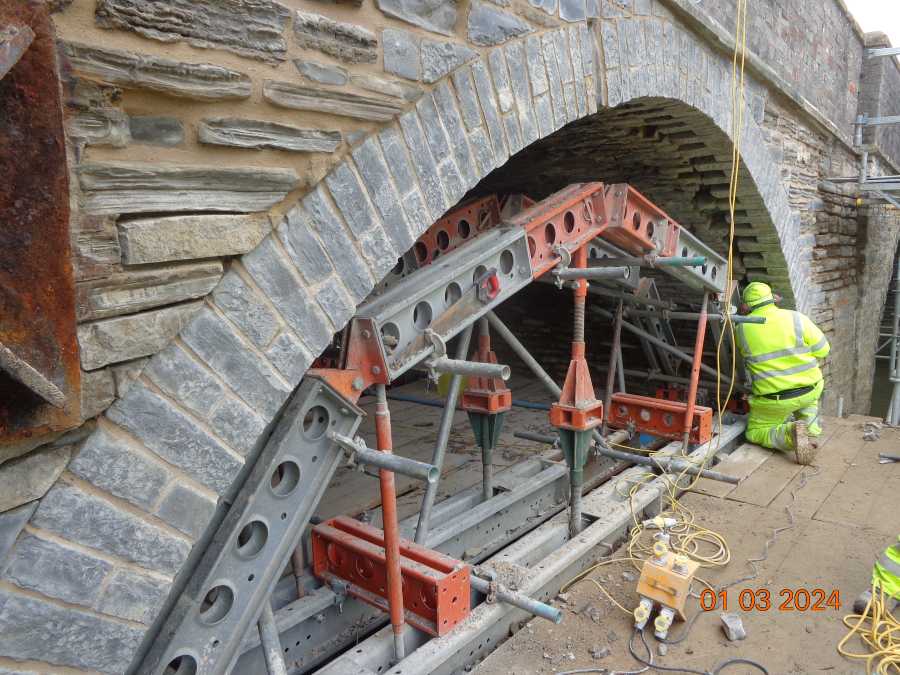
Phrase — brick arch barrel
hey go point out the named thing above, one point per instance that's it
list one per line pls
(91, 569)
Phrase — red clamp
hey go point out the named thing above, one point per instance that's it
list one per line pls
(487, 286)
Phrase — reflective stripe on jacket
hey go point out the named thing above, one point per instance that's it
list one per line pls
(783, 352)
(886, 572)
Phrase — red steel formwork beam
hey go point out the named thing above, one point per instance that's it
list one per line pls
(637, 224)
(458, 226)
(571, 218)
(436, 592)
(658, 417)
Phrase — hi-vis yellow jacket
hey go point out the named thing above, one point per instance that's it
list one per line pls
(783, 352)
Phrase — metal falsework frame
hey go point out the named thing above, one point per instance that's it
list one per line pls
(406, 325)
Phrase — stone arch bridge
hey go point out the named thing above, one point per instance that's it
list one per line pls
(242, 174)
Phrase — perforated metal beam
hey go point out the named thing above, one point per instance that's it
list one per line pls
(443, 297)
(225, 596)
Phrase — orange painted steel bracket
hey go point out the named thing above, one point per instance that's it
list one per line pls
(460, 225)
(436, 593)
(488, 395)
(571, 218)
(637, 224)
(577, 408)
(363, 365)
(665, 419)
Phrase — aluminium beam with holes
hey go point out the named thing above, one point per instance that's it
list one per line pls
(442, 296)
(406, 265)
(711, 277)
(235, 577)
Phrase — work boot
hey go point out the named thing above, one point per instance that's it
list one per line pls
(864, 598)
(804, 449)
(862, 601)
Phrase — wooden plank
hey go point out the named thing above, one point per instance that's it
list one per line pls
(740, 464)
(811, 487)
(860, 495)
(767, 481)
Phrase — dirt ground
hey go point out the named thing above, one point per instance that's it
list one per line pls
(845, 511)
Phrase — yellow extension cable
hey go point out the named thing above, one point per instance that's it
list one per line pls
(707, 547)
(880, 631)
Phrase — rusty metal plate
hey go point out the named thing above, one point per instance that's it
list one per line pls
(40, 376)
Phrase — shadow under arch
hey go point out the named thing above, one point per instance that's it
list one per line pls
(674, 154)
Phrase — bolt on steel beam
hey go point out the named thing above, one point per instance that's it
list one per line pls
(596, 272)
(469, 368)
(652, 261)
(599, 250)
(268, 635)
(693, 316)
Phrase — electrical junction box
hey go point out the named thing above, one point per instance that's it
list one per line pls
(667, 580)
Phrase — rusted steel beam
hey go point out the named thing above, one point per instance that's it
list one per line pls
(37, 293)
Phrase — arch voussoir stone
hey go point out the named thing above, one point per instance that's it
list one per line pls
(201, 409)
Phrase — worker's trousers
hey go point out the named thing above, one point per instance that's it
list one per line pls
(771, 422)
(886, 572)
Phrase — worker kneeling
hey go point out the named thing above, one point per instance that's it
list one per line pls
(782, 356)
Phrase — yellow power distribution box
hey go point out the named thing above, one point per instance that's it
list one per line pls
(667, 580)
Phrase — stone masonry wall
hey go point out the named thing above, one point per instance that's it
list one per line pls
(880, 83)
(243, 173)
(813, 48)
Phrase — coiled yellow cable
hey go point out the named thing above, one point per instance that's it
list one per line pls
(879, 630)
